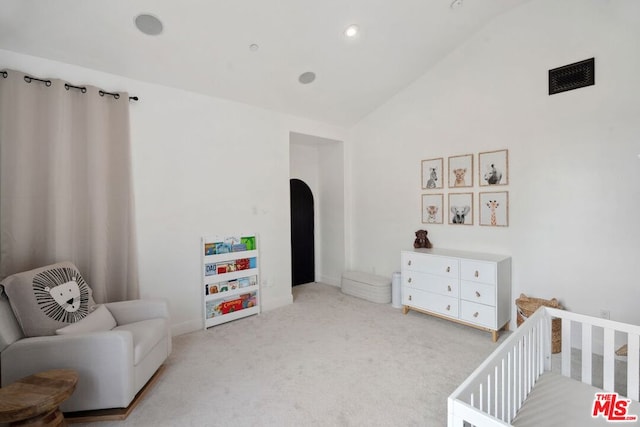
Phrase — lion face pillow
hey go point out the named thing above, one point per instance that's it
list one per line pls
(48, 298)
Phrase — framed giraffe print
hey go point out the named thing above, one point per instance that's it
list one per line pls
(432, 173)
(494, 208)
(432, 208)
(461, 171)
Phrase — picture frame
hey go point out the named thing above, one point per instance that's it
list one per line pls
(460, 208)
(461, 171)
(433, 208)
(493, 208)
(493, 168)
(432, 173)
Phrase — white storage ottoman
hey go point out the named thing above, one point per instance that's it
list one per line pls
(367, 286)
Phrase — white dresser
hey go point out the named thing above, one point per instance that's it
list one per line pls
(466, 287)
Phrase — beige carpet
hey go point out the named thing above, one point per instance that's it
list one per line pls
(326, 360)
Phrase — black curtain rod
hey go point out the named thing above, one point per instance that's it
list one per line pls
(68, 86)
(116, 95)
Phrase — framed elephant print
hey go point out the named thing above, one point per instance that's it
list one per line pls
(461, 208)
(432, 173)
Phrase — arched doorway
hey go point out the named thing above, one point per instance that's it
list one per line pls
(302, 233)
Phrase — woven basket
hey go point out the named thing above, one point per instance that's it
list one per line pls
(528, 305)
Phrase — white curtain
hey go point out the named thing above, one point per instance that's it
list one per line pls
(65, 183)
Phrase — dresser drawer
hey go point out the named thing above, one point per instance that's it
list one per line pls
(441, 266)
(479, 314)
(447, 306)
(431, 283)
(476, 271)
(478, 292)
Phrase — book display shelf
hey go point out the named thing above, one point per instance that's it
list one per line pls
(230, 278)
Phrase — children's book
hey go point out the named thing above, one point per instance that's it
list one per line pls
(209, 269)
(249, 242)
(209, 248)
(222, 248)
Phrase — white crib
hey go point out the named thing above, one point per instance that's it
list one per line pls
(516, 385)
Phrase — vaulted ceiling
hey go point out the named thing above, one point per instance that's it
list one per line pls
(205, 45)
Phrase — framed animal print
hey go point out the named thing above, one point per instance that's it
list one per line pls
(494, 208)
(461, 208)
(493, 168)
(461, 171)
(432, 173)
(432, 208)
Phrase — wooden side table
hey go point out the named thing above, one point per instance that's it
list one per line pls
(34, 400)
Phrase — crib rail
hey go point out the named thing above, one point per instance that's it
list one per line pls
(590, 330)
(494, 392)
(497, 389)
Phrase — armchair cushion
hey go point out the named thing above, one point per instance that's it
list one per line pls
(146, 334)
(98, 320)
(48, 298)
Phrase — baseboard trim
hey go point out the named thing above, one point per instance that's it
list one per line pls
(186, 327)
(273, 303)
(114, 414)
(333, 281)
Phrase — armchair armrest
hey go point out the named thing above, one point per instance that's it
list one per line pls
(136, 310)
(103, 360)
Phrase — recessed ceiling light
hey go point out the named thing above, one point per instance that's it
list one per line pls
(306, 78)
(351, 31)
(253, 47)
(148, 24)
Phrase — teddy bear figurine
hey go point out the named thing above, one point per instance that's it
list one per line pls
(422, 241)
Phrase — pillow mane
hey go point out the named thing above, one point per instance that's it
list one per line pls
(48, 298)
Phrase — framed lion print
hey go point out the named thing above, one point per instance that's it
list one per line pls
(461, 171)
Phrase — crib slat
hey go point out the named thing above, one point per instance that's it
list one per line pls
(509, 382)
(586, 353)
(566, 347)
(502, 389)
(495, 391)
(633, 362)
(518, 374)
(608, 368)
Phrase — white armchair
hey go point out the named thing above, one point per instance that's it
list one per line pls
(113, 365)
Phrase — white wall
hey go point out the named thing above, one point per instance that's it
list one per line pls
(201, 166)
(303, 165)
(319, 162)
(574, 170)
(332, 211)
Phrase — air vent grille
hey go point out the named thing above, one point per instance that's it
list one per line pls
(572, 76)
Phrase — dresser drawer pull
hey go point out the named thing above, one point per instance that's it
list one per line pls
(448, 269)
(449, 288)
(477, 274)
(476, 314)
(409, 280)
(449, 307)
(478, 294)
(409, 263)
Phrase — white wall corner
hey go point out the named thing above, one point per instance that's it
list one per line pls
(271, 303)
